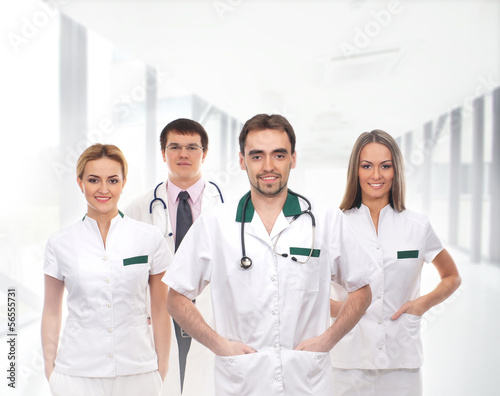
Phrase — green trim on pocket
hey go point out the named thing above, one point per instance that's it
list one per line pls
(304, 252)
(408, 254)
(136, 260)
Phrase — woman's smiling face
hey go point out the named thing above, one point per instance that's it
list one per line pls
(102, 183)
(375, 173)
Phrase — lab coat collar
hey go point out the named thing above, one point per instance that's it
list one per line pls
(211, 197)
(90, 223)
(119, 213)
(383, 212)
(291, 208)
(386, 208)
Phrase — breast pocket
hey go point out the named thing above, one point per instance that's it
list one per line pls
(405, 275)
(303, 277)
(135, 272)
(407, 254)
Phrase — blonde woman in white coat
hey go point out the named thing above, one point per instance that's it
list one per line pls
(105, 261)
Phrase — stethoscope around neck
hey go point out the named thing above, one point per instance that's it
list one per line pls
(246, 262)
(157, 199)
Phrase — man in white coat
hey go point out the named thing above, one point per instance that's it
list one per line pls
(270, 262)
(184, 146)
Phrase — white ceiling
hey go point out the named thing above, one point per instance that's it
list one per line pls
(308, 59)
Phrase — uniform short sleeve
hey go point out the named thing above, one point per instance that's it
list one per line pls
(50, 264)
(191, 267)
(162, 257)
(352, 266)
(433, 245)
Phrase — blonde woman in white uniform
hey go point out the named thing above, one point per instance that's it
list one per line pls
(105, 261)
(382, 355)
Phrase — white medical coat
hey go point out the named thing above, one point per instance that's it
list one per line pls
(277, 302)
(404, 242)
(106, 332)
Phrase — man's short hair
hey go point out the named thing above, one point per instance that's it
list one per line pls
(184, 126)
(261, 122)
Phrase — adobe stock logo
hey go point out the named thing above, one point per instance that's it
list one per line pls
(222, 7)
(31, 26)
(363, 37)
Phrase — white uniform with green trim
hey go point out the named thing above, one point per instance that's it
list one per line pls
(405, 240)
(276, 303)
(364, 358)
(106, 332)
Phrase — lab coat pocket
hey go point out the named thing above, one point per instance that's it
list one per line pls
(135, 276)
(306, 373)
(136, 260)
(410, 330)
(304, 277)
(409, 269)
(249, 374)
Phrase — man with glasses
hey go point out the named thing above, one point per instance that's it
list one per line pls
(270, 262)
(175, 204)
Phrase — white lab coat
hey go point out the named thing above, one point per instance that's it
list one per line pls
(276, 303)
(377, 341)
(106, 332)
(199, 361)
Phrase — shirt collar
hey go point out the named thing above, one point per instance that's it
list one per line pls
(195, 191)
(291, 208)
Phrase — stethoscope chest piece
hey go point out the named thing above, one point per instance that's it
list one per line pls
(245, 262)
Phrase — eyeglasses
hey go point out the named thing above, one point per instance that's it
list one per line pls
(177, 148)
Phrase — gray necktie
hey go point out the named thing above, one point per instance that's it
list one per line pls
(184, 218)
(184, 221)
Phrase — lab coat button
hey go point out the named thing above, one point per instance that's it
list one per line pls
(105, 258)
(378, 247)
(379, 296)
(108, 305)
(107, 280)
(110, 355)
(277, 378)
(110, 330)
(273, 278)
(275, 345)
(274, 312)
(379, 321)
(380, 348)
(231, 360)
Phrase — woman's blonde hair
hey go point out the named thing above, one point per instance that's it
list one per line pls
(352, 195)
(97, 151)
